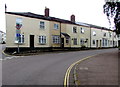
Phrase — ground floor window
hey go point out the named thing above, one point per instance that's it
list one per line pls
(19, 38)
(104, 42)
(67, 40)
(74, 41)
(56, 39)
(110, 42)
(93, 42)
(42, 39)
(82, 41)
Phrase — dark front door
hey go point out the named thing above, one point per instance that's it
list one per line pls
(62, 42)
(31, 41)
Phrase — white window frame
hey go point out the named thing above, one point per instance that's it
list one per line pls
(56, 39)
(21, 39)
(56, 26)
(110, 34)
(74, 41)
(94, 33)
(67, 40)
(42, 25)
(82, 30)
(82, 42)
(74, 29)
(42, 39)
(104, 42)
(105, 34)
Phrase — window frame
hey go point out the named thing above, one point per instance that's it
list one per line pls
(74, 41)
(42, 25)
(42, 39)
(94, 33)
(67, 40)
(56, 26)
(82, 30)
(82, 42)
(56, 39)
(105, 34)
(20, 39)
(74, 29)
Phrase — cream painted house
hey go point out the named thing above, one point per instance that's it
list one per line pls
(32, 31)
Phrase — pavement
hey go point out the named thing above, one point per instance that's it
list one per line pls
(101, 69)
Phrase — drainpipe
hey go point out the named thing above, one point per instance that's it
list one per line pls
(90, 37)
(60, 36)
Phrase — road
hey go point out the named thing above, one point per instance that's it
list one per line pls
(46, 69)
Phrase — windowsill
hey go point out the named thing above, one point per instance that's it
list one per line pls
(20, 43)
(56, 43)
(42, 28)
(42, 43)
(56, 29)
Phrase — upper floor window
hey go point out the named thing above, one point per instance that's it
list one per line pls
(82, 30)
(56, 39)
(42, 25)
(94, 33)
(74, 29)
(104, 34)
(42, 39)
(18, 23)
(110, 34)
(56, 26)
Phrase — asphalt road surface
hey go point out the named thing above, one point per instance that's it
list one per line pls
(46, 69)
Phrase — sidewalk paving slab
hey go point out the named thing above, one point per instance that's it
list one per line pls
(98, 70)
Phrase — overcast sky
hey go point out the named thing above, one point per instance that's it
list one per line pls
(87, 11)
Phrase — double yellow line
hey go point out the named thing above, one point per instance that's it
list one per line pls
(66, 79)
(3, 51)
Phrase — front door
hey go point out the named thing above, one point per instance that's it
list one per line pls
(62, 42)
(31, 41)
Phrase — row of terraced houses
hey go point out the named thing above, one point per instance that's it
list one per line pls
(43, 31)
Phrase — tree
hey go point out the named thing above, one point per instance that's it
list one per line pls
(112, 10)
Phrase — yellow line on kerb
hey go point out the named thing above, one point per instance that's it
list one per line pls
(5, 53)
(67, 74)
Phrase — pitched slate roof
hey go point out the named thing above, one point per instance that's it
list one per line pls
(33, 15)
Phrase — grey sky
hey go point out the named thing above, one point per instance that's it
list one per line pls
(88, 11)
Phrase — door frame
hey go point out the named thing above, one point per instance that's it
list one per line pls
(31, 41)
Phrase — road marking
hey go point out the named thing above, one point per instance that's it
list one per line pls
(67, 74)
(5, 53)
(8, 58)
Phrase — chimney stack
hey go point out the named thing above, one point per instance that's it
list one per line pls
(73, 18)
(46, 12)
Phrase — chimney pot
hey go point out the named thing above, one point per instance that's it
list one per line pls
(73, 18)
(46, 12)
